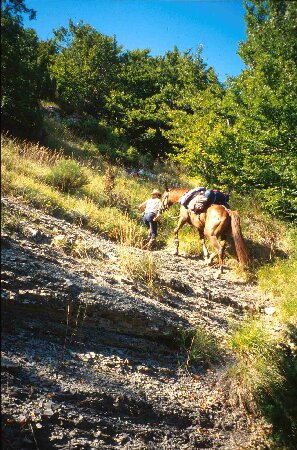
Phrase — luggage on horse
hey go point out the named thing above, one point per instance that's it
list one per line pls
(217, 197)
(187, 197)
(202, 200)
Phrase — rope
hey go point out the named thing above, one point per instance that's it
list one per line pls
(173, 217)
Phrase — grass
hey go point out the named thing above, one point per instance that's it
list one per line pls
(142, 268)
(201, 347)
(257, 361)
(25, 171)
(279, 281)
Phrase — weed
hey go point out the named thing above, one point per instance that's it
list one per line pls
(257, 360)
(142, 268)
(67, 175)
(11, 222)
(201, 347)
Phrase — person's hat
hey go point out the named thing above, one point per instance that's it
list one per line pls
(156, 192)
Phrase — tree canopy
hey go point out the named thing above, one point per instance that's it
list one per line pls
(240, 135)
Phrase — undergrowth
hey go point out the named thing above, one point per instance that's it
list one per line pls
(200, 347)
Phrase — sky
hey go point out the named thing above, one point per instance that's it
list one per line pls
(159, 25)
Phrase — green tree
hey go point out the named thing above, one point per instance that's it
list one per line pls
(47, 52)
(19, 86)
(244, 136)
(149, 88)
(85, 68)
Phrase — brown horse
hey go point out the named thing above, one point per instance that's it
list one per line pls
(217, 221)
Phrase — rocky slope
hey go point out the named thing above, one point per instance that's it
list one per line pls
(91, 359)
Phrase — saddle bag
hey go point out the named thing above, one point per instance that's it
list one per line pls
(187, 197)
(216, 197)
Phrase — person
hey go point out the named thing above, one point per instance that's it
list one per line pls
(151, 208)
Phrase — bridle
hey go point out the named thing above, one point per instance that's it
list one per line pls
(164, 202)
(165, 205)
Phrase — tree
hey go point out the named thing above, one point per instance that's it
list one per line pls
(149, 88)
(19, 87)
(85, 68)
(244, 137)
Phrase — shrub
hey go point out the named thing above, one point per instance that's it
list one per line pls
(201, 347)
(257, 362)
(91, 128)
(140, 268)
(279, 202)
(278, 403)
(67, 176)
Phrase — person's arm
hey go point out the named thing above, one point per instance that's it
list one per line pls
(158, 215)
(142, 206)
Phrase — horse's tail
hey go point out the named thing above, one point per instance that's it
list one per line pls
(238, 239)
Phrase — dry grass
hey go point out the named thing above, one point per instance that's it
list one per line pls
(25, 170)
(141, 268)
(257, 363)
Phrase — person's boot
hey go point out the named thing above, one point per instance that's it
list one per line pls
(151, 243)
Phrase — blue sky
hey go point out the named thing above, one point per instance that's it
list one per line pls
(156, 24)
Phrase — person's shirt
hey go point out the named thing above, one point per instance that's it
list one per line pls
(152, 206)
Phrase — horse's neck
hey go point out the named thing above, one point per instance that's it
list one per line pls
(176, 194)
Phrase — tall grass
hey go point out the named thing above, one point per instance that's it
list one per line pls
(201, 347)
(279, 281)
(257, 361)
(26, 172)
(141, 268)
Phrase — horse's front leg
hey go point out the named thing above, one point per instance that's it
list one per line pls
(182, 220)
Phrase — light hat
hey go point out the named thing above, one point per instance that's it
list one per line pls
(156, 192)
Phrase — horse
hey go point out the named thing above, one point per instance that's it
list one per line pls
(217, 222)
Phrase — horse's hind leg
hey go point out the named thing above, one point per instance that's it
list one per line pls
(219, 247)
(182, 220)
(205, 252)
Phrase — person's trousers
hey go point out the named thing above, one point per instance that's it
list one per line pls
(153, 226)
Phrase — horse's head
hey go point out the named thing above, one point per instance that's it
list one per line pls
(164, 201)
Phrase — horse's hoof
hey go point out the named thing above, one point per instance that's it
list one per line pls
(218, 274)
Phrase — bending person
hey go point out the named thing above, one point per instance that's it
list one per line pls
(151, 208)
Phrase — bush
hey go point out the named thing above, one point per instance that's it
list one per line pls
(278, 403)
(201, 347)
(67, 176)
(91, 128)
(279, 202)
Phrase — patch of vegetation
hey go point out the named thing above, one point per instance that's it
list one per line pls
(67, 175)
(277, 401)
(279, 280)
(264, 377)
(257, 360)
(142, 268)
(201, 347)
(12, 223)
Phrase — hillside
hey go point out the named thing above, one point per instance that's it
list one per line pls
(92, 358)
(105, 343)
(108, 345)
